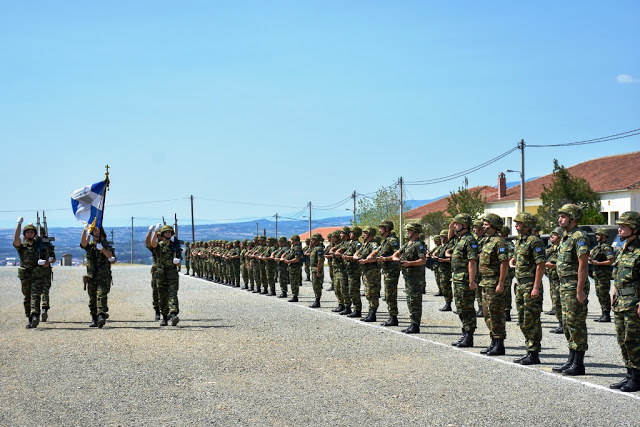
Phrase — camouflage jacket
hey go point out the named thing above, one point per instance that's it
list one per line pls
(413, 251)
(574, 244)
(366, 250)
(97, 264)
(295, 252)
(602, 252)
(528, 252)
(442, 253)
(465, 248)
(388, 247)
(551, 255)
(353, 247)
(317, 254)
(493, 252)
(165, 253)
(626, 274)
(30, 253)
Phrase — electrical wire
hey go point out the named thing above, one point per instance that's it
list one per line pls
(622, 135)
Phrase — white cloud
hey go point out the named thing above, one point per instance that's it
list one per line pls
(626, 78)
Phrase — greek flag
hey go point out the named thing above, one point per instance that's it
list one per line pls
(87, 202)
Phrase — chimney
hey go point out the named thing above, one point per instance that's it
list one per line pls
(502, 185)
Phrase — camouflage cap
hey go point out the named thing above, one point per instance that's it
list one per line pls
(477, 223)
(414, 226)
(236, 242)
(346, 230)
(506, 230)
(336, 234)
(29, 227)
(271, 239)
(603, 231)
(436, 238)
(386, 224)
(526, 218)
(572, 210)
(262, 237)
(494, 221)
(282, 239)
(371, 230)
(317, 237)
(558, 230)
(463, 218)
(356, 230)
(167, 228)
(444, 233)
(295, 237)
(630, 219)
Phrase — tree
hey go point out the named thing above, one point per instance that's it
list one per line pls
(434, 222)
(466, 201)
(384, 205)
(565, 188)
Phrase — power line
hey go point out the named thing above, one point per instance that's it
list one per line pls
(246, 203)
(622, 135)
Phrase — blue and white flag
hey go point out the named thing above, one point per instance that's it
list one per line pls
(87, 202)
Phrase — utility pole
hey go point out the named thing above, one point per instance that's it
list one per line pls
(354, 206)
(521, 146)
(276, 225)
(193, 229)
(257, 229)
(131, 240)
(309, 219)
(401, 231)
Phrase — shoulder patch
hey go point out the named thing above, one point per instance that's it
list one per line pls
(538, 249)
(474, 246)
(501, 249)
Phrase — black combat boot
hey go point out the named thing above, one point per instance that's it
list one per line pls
(412, 329)
(447, 307)
(256, 291)
(467, 341)
(455, 343)
(265, 291)
(330, 288)
(29, 326)
(634, 382)
(577, 368)
(355, 313)
(272, 293)
(101, 320)
(316, 303)
(507, 315)
(567, 364)
(551, 312)
(44, 315)
(498, 349)
(605, 318)
(391, 321)
(35, 320)
(293, 299)
(338, 309)
(164, 320)
(479, 313)
(282, 295)
(520, 359)
(488, 349)
(371, 317)
(345, 311)
(174, 319)
(625, 380)
(531, 359)
(157, 314)
(94, 321)
(438, 294)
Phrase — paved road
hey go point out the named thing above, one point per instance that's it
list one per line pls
(238, 358)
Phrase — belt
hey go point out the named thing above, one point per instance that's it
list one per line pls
(630, 289)
(525, 280)
(564, 279)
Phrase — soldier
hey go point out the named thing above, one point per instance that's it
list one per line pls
(48, 275)
(478, 232)
(390, 269)
(551, 272)
(437, 242)
(99, 259)
(154, 266)
(168, 258)
(626, 294)
(283, 273)
(464, 263)
(493, 265)
(293, 259)
(305, 259)
(412, 255)
(329, 258)
(370, 272)
(602, 258)
(249, 262)
(336, 264)
(528, 260)
(270, 264)
(506, 230)
(340, 267)
(316, 258)
(33, 258)
(573, 272)
(444, 270)
(243, 263)
(187, 256)
(353, 271)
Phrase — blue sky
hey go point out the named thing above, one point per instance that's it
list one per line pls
(278, 103)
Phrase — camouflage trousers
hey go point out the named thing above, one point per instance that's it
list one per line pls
(445, 285)
(283, 277)
(154, 293)
(603, 290)
(413, 289)
(295, 278)
(465, 299)
(509, 296)
(168, 296)
(556, 299)
(493, 307)
(252, 280)
(48, 276)
(264, 280)
(391, 278)
(371, 279)
(338, 285)
(574, 314)
(436, 274)
(529, 310)
(627, 325)
(187, 264)
(479, 290)
(344, 287)
(353, 280)
(32, 289)
(316, 282)
(256, 274)
(271, 276)
(98, 289)
(245, 274)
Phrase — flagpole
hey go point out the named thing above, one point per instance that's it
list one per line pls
(104, 193)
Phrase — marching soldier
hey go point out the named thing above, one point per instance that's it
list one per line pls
(48, 275)
(99, 259)
(168, 259)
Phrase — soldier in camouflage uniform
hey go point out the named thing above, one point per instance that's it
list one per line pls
(283, 272)
(243, 264)
(305, 258)
(234, 258)
(187, 256)
(336, 264)
(249, 262)
(370, 272)
(154, 266)
(511, 273)
(168, 258)
(99, 259)
(464, 259)
(478, 232)
(528, 259)
(437, 243)
(316, 258)
(353, 271)
(340, 267)
(602, 259)
(551, 256)
(493, 265)
(573, 272)
(412, 256)
(329, 258)
(270, 264)
(33, 259)
(48, 276)
(626, 295)
(390, 269)
(444, 269)
(293, 259)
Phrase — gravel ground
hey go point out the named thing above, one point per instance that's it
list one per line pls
(238, 358)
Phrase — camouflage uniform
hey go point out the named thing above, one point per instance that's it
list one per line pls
(295, 269)
(187, 256)
(436, 270)
(305, 259)
(602, 274)
(243, 264)
(370, 274)
(31, 274)
(48, 278)
(413, 251)
(343, 275)
(270, 265)
(444, 269)
(99, 278)
(551, 255)
(391, 272)
(316, 255)
(465, 249)
(283, 272)
(493, 253)
(167, 278)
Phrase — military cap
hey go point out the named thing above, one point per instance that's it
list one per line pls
(526, 218)
(414, 226)
(282, 239)
(463, 218)
(603, 231)
(494, 221)
(271, 239)
(436, 237)
(295, 237)
(317, 237)
(345, 230)
(386, 224)
(444, 233)
(506, 230)
(477, 223)
(29, 227)
(630, 219)
(167, 228)
(572, 210)
(370, 230)
(356, 230)
(558, 230)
